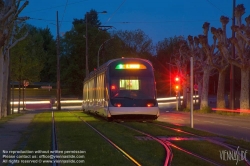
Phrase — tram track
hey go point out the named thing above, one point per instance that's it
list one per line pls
(168, 150)
(226, 145)
(109, 141)
(54, 140)
(168, 146)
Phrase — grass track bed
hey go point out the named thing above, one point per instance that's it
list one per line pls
(228, 140)
(206, 149)
(73, 134)
(202, 148)
(146, 152)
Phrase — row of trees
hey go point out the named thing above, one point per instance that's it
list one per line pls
(218, 56)
(34, 58)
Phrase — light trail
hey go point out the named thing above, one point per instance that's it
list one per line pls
(47, 102)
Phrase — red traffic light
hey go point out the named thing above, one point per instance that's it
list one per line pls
(177, 79)
(177, 83)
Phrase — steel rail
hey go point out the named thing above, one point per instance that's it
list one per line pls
(169, 155)
(170, 144)
(195, 155)
(112, 143)
(231, 147)
(54, 140)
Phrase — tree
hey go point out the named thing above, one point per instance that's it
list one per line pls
(136, 43)
(202, 60)
(182, 61)
(28, 57)
(219, 61)
(72, 60)
(73, 51)
(241, 59)
(9, 11)
(167, 64)
(216, 59)
(48, 73)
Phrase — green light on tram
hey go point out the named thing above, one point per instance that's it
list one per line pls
(120, 66)
(130, 66)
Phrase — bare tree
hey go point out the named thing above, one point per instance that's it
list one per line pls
(9, 11)
(188, 48)
(182, 57)
(201, 62)
(216, 59)
(242, 56)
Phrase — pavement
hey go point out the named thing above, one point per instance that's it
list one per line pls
(11, 131)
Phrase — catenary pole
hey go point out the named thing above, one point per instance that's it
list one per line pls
(232, 95)
(58, 65)
(86, 36)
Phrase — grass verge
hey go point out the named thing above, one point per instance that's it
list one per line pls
(37, 137)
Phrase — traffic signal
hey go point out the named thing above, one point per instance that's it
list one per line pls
(177, 84)
(177, 87)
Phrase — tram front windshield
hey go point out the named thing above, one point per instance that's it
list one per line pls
(132, 84)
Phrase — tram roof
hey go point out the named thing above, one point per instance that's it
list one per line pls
(103, 66)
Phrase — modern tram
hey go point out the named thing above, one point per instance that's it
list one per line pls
(122, 89)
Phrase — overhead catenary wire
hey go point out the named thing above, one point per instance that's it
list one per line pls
(136, 22)
(63, 13)
(216, 7)
(116, 11)
(123, 6)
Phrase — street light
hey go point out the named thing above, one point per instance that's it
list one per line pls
(86, 37)
(100, 49)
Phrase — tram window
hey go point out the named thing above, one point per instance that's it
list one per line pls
(129, 84)
(133, 87)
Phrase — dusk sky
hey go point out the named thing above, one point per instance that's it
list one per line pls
(159, 19)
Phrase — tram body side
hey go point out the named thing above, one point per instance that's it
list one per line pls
(101, 88)
(95, 95)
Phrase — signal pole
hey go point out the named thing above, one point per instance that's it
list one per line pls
(177, 90)
(191, 92)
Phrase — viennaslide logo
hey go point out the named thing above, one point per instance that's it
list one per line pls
(233, 155)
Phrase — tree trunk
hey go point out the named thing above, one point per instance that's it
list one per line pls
(5, 85)
(199, 81)
(221, 90)
(19, 95)
(8, 87)
(184, 101)
(188, 93)
(204, 94)
(20, 83)
(244, 92)
(1, 80)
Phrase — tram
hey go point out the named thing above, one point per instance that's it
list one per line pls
(122, 88)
